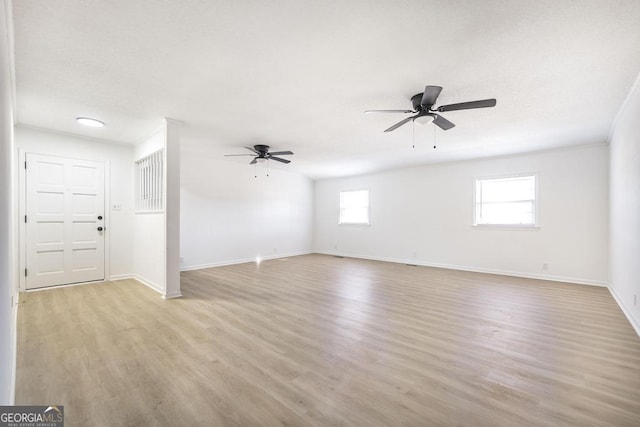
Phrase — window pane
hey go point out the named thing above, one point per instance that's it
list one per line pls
(506, 213)
(509, 201)
(354, 207)
(501, 190)
(355, 215)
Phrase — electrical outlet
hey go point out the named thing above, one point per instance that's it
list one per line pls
(116, 207)
(415, 254)
(181, 260)
(545, 266)
(275, 250)
(335, 246)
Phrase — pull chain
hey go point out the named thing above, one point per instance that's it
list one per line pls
(413, 122)
(434, 137)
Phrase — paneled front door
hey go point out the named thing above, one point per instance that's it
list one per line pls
(65, 221)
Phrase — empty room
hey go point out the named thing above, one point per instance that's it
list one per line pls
(309, 213)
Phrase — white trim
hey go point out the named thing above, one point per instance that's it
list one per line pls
(22, 228)
(66, 285)
(14, 361)
(536, 210)
(171, 295)
(148, 283)
(106, 214)
(148, 212)
(365, 224)
(564, 279)
(22, 210)
(243, 261)
(625, 311)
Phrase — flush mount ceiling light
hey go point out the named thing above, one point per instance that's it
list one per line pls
(88, 121)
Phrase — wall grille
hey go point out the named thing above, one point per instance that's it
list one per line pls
(149, 188)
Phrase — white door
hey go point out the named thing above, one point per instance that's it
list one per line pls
(64, 221)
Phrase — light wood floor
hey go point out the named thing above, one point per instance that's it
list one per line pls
(319, 340)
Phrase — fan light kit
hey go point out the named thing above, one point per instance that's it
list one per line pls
(88, 121)
(423, 107)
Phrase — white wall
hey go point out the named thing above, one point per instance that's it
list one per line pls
(428, 211)
(7, 287)
(149, 228)
(625, 207)
(228, 216)
(120, 172)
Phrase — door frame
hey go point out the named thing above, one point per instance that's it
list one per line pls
(22, 210)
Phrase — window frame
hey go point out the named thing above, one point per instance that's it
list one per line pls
(536, 202)
(357, 224)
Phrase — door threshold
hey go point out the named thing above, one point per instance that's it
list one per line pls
(67, 285)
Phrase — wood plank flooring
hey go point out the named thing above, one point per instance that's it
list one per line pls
(320, 340)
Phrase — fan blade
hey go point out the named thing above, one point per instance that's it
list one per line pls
(231, 155)
(254, 161)
(441, 122)
(281, 153)
(278, 159)
(389, 111)
(400, 123)
(252, 149)
(430, 95)
(484, 103)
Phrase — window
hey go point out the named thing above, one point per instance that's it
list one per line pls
(149, 183)
(354, 207)
(506, 201)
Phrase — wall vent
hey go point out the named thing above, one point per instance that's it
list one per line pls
(149, 183)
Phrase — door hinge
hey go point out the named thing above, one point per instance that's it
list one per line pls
(25, 218)
(25, 272)
(25, 164)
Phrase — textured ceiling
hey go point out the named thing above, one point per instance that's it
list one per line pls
(297, 75)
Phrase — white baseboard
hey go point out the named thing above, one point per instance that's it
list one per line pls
(148, 283)
(627, 312)
(242, 261)
(554, 278)
(170, 295)
(14, 362)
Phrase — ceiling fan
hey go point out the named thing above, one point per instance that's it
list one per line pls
(423, 106)
(261, 153)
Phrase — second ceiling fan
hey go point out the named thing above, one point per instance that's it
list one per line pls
(423, 105)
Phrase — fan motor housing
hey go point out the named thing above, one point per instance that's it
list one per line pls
(262, 149)
(415, 100)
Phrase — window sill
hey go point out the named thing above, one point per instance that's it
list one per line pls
(148, 212)
(356, 224)
(505, 227)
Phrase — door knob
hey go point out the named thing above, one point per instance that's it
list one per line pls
(100, 228)
(100, 217)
